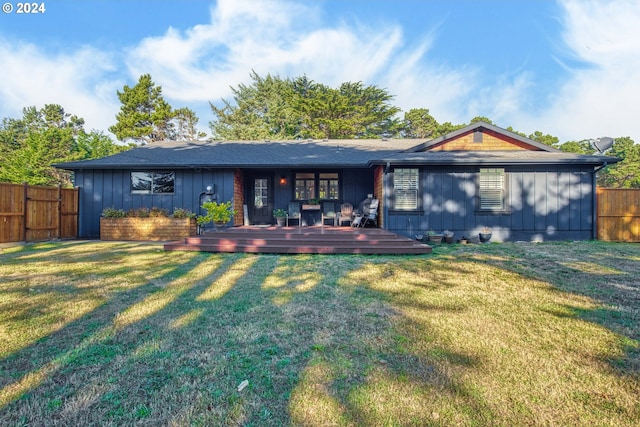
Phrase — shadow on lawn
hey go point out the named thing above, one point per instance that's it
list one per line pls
(61, 346)
(606, 273)
(175, 348)
(320, 340)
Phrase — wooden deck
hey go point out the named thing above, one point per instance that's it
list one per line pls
(301, 240)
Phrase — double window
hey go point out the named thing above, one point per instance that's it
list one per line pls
(153, 182)
(492, 189)
(405, 189)
(323, 185)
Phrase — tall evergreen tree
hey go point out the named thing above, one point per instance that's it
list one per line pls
(546, 139)
(42, 137)
(144, 115)
(626, 173)
(184, 127)
(418, 123)
(271, 107)
(261, 110)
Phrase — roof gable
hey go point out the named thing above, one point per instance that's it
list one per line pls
(481, 136)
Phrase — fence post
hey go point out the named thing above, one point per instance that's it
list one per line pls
(59, 211)
(25, 216)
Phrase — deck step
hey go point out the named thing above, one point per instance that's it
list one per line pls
(301, 240)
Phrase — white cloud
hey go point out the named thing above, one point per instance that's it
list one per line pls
(201, 63)
(31, 77)
(204, 61)
(285, 38)
(600, 98)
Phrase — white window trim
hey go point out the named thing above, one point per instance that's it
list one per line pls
(492, 190)
(406, 183)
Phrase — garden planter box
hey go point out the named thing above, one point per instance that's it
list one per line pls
(147, 228)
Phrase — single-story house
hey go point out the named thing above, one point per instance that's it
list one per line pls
(475, 177)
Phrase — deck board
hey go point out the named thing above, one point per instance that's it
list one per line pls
(301, 240)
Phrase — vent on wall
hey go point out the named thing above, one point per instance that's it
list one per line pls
(477, 135)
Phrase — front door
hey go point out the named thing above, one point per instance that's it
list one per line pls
(260, 199)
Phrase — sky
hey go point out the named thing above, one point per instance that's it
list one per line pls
(570, 68)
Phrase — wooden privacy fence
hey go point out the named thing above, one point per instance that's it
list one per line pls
(31, 213)
(618, 214)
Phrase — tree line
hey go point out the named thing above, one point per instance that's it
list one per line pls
(268, 108)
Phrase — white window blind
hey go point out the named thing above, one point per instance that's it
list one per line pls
(492, 189)
(405, 186)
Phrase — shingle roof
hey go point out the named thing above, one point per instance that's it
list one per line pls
(221, 154)
(355, 153)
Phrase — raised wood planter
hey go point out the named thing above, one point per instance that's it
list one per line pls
(147, 228)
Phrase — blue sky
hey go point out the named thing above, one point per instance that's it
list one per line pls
(568, 67)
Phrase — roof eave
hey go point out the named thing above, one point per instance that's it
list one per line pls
(157, 166)
(454, 162)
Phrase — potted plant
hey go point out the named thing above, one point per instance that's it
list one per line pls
(434, 237)
(312, 204)
(279, 215)
(448, 236)
(485, 235)
(218, 213)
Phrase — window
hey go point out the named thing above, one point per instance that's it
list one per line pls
(492, 189)
(329, 186)
(325, 185)
(261, 191)
(152, 182)
(305, 186)
(405, 189)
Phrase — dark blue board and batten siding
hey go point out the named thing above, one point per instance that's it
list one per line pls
(101, 189)
(552, 203)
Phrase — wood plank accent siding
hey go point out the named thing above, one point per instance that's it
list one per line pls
(490, 141)
(238, 196)
(618, 215)
(34, 213)
(378, 193)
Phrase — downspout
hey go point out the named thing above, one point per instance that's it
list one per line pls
(594, 189)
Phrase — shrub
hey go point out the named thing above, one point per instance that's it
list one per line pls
(142, 212)
(183, 213)
(113, 213)
(158, 213)
(216, 212)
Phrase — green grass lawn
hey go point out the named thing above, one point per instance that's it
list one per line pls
(97, 333)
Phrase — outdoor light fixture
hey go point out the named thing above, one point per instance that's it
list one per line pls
(283, 180)
(208, 195)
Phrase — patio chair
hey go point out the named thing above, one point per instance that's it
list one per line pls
(329, 212)
(346, 213)
(294, 213)
(358, 213)
(369, 214)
